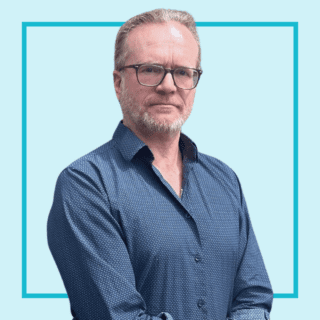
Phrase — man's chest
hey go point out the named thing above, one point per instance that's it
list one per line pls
(156, 225)
(174, 179)
(163, 234)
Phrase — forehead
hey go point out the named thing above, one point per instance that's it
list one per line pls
(167, 39)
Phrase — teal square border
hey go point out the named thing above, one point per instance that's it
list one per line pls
(25, 25)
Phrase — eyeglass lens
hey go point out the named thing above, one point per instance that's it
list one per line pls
(152, 75)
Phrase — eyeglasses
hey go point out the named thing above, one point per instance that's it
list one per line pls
(151, 75)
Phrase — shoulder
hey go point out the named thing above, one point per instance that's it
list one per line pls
(92, 168)
(220, 169)
(95, 160)
(216, 170)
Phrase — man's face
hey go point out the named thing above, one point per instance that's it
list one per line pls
(163, 108)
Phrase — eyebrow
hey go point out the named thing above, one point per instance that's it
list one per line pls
(159, 64)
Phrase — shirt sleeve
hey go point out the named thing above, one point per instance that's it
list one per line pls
(88, 246)
(252, 294)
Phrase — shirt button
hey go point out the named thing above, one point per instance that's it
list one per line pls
(201, 302)
(197, 258)
(188, 216)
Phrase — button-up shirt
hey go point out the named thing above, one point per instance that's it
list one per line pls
(129, 248)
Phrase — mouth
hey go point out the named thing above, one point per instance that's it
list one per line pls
(164, 108)
(163, 105)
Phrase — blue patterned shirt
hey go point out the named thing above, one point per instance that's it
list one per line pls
(128, 248)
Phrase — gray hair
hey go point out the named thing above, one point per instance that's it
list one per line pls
(154, 16)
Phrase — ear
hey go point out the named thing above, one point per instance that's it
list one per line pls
(117, 82)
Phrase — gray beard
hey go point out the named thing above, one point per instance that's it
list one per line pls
(146, 123)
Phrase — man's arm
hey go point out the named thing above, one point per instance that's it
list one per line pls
(88, 246)
(252, 294)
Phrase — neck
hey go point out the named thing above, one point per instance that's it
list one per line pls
(163, 145)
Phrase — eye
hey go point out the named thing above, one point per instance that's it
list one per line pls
(183, 73)
(150, 69)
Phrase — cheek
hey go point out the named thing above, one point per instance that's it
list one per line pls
(143, 95)
(189, 98)
(133, 89)
(131, 86)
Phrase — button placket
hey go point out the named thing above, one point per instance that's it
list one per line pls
(201, 303)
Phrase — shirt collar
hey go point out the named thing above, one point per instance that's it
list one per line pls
(130, 145)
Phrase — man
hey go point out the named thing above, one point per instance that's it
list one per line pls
(146, 227)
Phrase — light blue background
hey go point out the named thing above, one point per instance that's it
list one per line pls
(245, 94)
(70, 88)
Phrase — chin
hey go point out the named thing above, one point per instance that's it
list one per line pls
(161, 125)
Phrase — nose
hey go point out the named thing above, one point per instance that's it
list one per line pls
(167, 85)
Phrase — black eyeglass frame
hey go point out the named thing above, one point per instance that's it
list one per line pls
(166, 70)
